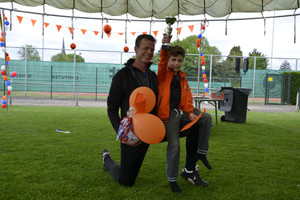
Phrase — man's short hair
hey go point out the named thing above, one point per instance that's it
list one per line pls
(144, 36)
(176, 51)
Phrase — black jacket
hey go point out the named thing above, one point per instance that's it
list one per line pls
(123, 83)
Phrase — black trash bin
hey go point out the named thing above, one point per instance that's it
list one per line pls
(234, 104)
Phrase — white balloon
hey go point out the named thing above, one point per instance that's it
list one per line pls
(9, 87)
(205, 85)
(202, 31)
(3, 67)
(203, 67)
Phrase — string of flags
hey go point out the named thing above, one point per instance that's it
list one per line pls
(83, 31)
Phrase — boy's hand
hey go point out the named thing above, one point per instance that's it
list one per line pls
(192, 116)
(166, 38)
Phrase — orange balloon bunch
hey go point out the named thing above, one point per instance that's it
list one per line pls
(147, 127)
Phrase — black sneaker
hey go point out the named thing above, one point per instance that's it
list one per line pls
(105, 153)
(193, 177)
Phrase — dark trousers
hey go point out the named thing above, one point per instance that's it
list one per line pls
(132, 158)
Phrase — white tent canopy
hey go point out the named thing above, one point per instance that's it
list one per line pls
(161, 8)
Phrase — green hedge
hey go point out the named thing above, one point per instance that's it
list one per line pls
(295, 85)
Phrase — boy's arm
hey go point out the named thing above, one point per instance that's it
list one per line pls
(162, 66)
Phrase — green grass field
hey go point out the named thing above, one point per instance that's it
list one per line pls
(256, 160)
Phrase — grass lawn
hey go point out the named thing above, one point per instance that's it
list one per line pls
(256, 160)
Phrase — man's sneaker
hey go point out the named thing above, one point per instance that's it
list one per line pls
(105, 153)
(193, 177)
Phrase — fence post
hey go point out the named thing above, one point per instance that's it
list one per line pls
(25, 70)
(76, 95)
(51, 74)
(210, 70)
(96, 82)
(253, 87)
(74, 73)
(298, 101)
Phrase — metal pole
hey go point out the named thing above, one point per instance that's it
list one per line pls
(76, 95)
(296, 64)
(210, 71)
(25, 70)
(74, 73)
(253, 87)
(51, 82)
(96, 82)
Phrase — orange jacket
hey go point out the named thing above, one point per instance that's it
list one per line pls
(164, 78)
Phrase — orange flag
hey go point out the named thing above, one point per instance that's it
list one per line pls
(179, 30)
(33, 21)
(155, 32)
(121, 33)
(108, 34)
(58, 27)
(96, 32)
(46, 24)
(71, 29)
(83, 31)
(191, 123)
(145, 32)
(20, 19)
(133, 33)
(191, 27)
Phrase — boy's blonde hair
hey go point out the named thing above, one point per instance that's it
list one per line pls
(176, 51)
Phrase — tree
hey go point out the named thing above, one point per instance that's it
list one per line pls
(32, 53)
(261, 63)
(66, 58)
(285, 66)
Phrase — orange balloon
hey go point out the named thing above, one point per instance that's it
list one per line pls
(5, 78)
(126, 49)
(150, 98)
(198, 40)
(4, 97)
(72, 45)
(7, 58)
(149, 128)
(107, 29)
(204, 75)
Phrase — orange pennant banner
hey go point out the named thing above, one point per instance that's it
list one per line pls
(46, 24)
(108, 34)
(133, 33)
(83, 31)
(191, 27)
(20, 19)
(155, 32)
(33, 21)
(71, 29)
(179, 30)
(96, 32)
(58, 27)
(145, 32)
(121, 33)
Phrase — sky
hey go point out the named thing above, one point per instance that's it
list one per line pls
(274, 38)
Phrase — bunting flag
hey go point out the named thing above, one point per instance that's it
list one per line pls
(179, 30)
(144, 32)
(96, 32)
(121, 33)
(155, 32)
(108, 34)
(46, 24)
(83, 31)
(133, 33)
(71, 30)
(58, 27)
(20, 19)
(191, 27)
(33, 22)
